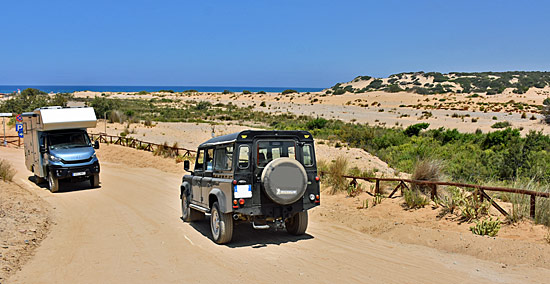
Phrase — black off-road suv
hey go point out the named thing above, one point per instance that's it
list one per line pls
(262, 177)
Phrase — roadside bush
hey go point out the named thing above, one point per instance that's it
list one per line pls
(261, 93)
(451, 201)
(246, 92)
(472, 208)
(226, 92)
(488, 227)
(333, 175)
(415, 199)
(7, 172)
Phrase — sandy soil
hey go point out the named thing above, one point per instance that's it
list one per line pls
(129, 231)
(24, 222)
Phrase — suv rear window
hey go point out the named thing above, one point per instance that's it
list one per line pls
(269, 150)
(244, 154)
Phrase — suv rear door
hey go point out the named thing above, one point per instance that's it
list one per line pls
(206, 181)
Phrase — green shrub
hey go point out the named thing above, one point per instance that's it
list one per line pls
(317, 123)
(393, 88)
(141, 93)
(488, 227)
(7, 172)
(246, 92)
(414, 130)
(227, 92)
(415, 199)
(261, 93)
(471, 208)
(501, 124)
(289, 91)
(339, 92)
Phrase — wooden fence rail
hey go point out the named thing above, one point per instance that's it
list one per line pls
(14, 140)
(138, 144)
(479, 189)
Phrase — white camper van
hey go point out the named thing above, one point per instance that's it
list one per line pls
(57, 145)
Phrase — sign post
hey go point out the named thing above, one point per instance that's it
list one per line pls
(4, 115)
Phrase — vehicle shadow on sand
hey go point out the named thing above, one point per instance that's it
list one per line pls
(246, 236)
(65, 186)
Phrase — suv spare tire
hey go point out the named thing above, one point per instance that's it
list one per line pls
(284, 180)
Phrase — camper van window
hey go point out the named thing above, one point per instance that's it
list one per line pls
(68, 140)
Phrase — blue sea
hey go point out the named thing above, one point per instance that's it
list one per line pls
(6, 89)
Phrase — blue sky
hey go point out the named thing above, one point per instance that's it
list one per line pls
(263, 43)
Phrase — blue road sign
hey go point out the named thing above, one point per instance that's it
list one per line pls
(19, 127)
(20, 133)
(19, 118)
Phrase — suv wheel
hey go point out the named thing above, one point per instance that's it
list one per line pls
(221, 225)
(189, 214)
(297, 224)
(53, 183)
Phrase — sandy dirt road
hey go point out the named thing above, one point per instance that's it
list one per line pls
(129, 231)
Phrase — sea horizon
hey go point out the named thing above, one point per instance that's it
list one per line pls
(7, 89)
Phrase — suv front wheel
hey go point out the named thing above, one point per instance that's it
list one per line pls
(221, 225)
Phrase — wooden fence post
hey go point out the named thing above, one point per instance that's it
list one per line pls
(434, 191)
(532, 208)
(377, 187)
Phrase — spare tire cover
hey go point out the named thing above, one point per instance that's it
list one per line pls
(284, 180)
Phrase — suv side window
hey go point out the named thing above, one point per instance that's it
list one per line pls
(200, 161)
(209, 159)
(223, 159)
(244, 156)
(308, 157)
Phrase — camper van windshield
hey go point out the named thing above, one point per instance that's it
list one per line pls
(68, 140)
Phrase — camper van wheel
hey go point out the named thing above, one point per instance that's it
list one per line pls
(53, 183)
(94, 181)
(38, 180)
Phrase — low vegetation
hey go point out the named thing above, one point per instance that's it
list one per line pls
(7, 172)
(486, 227)
(489, 83)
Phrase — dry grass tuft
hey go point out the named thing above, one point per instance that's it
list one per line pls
(428, 170)
(333, 172)
(7, 172)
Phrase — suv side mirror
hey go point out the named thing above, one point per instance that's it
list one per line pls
(186, 165)
(96, 144)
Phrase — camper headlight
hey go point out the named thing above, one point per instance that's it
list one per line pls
(55, 159)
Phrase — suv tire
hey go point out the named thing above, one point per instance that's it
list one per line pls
(221, 225)
(189, 214)
(297, 224)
